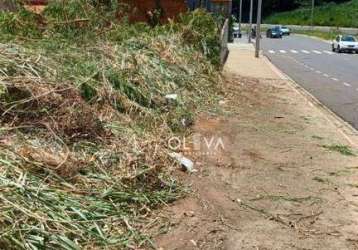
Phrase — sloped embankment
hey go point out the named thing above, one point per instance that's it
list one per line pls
(84, 121)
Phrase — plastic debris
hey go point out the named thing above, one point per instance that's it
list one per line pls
(186, 163)
(171, 97)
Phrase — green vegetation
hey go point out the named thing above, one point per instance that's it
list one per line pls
(343, 149)
(84, 121)
(329, 14)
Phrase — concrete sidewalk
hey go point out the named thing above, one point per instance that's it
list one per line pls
(241, 61)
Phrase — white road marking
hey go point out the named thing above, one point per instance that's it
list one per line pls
(311, 68)
(346, 84)
(334, 79)
(328, 52)
(318, 72)
(325, 75)
(303, 51)
(356, 89)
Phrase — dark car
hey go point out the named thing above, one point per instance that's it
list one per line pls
(274, 33)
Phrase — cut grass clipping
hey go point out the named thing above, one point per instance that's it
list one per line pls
(343, 149)
(84, 121)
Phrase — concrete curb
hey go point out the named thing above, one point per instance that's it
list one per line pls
(343, 127)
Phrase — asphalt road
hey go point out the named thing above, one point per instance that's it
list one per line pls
(331, 77)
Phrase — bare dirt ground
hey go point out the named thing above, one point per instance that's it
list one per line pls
(279, 182)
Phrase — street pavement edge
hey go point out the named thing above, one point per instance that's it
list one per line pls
(343, 127)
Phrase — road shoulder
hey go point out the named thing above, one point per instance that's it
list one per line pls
(285, 178)
(343, 127)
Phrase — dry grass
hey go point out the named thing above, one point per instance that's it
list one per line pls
(84, 124)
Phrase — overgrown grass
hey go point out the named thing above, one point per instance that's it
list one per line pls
(336, 15)
(84, 121)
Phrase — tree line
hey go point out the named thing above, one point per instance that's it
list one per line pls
(273, 6)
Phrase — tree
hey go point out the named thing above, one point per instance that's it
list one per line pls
(272, 6)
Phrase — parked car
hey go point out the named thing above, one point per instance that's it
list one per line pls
(345, 43)
(285, 30)
(274, 32)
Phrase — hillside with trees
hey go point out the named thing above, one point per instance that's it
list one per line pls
(325, 14)
(273, 7)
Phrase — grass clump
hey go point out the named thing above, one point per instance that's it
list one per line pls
(331, 14)
(343, 149)
(84, 121)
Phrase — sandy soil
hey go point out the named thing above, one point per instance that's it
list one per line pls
(273, 185)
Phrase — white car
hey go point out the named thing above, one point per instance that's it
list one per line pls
(285, 30)
(344, 43)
